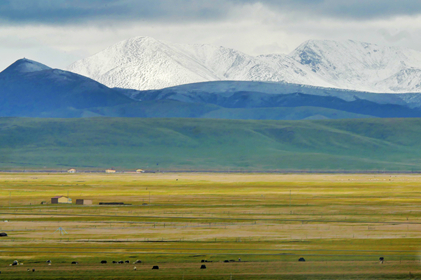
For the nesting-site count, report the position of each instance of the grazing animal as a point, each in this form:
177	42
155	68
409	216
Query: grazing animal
49	261
121	262
202	261
226	261
127	261
75	263
138	261
134	268
103	262
381	259
33	270
114	261
301	260
155	267
203	266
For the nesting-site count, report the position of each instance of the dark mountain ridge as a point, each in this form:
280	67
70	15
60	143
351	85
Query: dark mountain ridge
28	88
31	89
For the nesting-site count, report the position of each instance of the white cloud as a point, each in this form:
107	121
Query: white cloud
252	28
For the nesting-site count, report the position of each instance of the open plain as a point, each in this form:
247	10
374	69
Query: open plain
245	226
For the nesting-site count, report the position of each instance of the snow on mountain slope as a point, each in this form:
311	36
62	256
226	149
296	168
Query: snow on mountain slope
145	63
406	80
199	92
356	65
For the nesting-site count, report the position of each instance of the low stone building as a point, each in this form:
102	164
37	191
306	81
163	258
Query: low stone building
83	202
110	170
71	170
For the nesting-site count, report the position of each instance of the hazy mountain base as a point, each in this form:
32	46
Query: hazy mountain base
203	144
177	109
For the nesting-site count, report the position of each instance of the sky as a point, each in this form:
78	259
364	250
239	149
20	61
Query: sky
59	32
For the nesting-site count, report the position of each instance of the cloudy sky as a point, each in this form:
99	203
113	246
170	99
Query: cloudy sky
59	32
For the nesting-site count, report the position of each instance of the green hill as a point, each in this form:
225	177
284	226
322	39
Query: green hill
210	144
281	113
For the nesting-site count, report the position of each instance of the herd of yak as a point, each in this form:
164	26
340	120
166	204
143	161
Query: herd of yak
16	263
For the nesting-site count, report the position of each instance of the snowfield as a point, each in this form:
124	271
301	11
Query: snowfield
144	63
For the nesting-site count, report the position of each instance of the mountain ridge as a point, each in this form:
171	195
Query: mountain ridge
32	89
145	63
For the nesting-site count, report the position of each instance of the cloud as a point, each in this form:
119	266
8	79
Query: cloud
58	32
62	12
394	38
273	48
344	9
82	11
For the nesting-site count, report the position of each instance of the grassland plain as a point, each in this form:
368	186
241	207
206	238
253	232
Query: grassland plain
340	224
210	144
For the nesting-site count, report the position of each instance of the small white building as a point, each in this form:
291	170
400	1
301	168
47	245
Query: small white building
61	200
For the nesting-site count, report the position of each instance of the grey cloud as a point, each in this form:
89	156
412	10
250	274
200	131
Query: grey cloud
349	9
81	11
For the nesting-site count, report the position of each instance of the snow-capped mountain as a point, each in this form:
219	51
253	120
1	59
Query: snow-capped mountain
361	66
145	63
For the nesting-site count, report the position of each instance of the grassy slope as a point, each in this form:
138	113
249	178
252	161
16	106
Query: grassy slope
282	113
363	144
176	109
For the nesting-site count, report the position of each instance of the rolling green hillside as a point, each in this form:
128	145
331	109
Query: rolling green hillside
282	113
209	144
177	109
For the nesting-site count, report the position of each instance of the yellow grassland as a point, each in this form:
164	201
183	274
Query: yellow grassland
341	224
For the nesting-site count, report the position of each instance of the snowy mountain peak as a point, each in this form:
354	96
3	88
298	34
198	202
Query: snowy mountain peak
356	65
146	63
25	65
